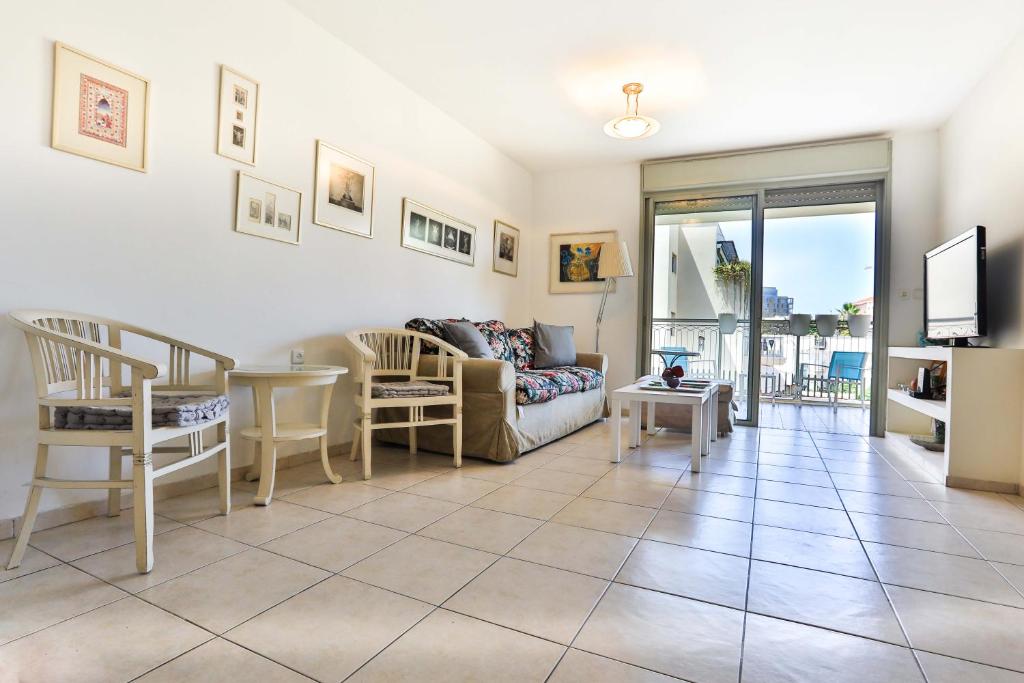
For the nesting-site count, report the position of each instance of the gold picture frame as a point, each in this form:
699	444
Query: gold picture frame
268	210
100	111
238	103
343	196
580	274
505	250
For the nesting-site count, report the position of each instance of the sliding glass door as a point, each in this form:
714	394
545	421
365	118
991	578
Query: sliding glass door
777	290
701	289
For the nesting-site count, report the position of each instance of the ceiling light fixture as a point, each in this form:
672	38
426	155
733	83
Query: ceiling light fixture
632	126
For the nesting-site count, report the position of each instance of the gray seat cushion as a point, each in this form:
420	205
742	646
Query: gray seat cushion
468	338
407	389
169	410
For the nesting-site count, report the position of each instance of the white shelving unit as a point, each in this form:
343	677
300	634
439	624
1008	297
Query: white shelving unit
983	412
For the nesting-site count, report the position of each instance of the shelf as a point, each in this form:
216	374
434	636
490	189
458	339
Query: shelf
938	353
289	431
937	410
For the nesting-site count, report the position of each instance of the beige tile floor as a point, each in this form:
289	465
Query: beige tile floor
793	556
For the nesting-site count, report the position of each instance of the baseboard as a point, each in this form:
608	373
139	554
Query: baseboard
981	485
76	512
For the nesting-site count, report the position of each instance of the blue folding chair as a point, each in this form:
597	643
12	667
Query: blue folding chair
843	366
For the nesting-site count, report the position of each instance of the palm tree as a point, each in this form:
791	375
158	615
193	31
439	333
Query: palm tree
848	309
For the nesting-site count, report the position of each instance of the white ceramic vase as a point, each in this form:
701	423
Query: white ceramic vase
860	324
799	324
826	323
727	322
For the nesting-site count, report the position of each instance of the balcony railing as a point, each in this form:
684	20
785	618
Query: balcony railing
790	365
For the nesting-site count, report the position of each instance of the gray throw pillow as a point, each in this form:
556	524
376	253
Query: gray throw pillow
553	346
465	336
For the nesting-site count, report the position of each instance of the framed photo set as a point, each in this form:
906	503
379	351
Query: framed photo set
100	110
574	260
506	249
265	209
344	191
237	116
432	232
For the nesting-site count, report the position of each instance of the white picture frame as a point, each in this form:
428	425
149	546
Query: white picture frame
343	196
431	232
237	116
266	209
577	243
100	111
505	258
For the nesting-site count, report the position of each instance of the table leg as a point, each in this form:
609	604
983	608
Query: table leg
634	424
651	429
695	437
268	449
325	409
253	473
705	433
616	441
714	416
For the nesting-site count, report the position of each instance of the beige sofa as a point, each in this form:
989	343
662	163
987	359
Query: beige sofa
494	426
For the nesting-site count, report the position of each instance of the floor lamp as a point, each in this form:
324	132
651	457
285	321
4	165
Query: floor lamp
614	262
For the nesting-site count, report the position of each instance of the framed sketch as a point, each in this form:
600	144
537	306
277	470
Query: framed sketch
344	191
506	249
432	232
237	116
265	209
574	260
100	110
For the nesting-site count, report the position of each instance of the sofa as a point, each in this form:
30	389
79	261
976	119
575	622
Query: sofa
509	406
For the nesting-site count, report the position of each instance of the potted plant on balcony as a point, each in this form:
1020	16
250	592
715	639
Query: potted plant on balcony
733	281
859	323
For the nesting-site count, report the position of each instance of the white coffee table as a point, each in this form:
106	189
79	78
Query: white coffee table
704	402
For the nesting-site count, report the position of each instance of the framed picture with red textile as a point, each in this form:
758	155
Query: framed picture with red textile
100	111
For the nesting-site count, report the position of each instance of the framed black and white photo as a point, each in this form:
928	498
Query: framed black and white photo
265	209
432	232
506	249
344	191
237	117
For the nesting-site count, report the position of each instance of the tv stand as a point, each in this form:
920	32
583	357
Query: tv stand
982	410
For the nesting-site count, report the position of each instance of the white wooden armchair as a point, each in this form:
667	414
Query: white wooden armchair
78	362
393	355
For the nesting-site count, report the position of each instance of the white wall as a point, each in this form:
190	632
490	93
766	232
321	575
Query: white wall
589	200
983	184
158	249
606	197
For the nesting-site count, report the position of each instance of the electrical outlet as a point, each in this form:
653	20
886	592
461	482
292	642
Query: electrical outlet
298	356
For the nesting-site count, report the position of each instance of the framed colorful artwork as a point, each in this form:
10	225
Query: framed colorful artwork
574	260
100	110
344	191
506	249
432	232
265	209
237	116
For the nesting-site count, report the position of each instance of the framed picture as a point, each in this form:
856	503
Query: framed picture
265	209
432	232
237	116
100	110
574	260
344	191
506	249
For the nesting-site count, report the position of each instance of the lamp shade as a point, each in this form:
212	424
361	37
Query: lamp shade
614	261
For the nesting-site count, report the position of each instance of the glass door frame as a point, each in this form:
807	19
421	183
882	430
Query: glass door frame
880	332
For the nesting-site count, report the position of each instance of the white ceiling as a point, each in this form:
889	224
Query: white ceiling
539	78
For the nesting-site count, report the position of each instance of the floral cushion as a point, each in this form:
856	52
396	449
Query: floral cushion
493	332
540	386
497	338
435	328
521	342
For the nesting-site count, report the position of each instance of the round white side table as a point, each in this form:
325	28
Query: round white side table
267	433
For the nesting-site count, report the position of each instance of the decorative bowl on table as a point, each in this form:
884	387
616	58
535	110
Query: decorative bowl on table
673	376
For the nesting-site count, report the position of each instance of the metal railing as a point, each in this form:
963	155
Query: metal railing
790	365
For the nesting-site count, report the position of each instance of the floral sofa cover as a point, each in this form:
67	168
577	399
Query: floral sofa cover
517	346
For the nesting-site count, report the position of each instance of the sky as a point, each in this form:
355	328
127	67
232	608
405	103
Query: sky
820	261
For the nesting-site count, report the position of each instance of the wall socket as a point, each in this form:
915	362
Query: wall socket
298	356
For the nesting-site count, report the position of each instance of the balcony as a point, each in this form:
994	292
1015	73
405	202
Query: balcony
792	368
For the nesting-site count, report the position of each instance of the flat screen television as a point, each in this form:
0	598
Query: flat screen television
954	289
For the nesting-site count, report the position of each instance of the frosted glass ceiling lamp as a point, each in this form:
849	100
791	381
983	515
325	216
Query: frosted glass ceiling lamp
632	126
